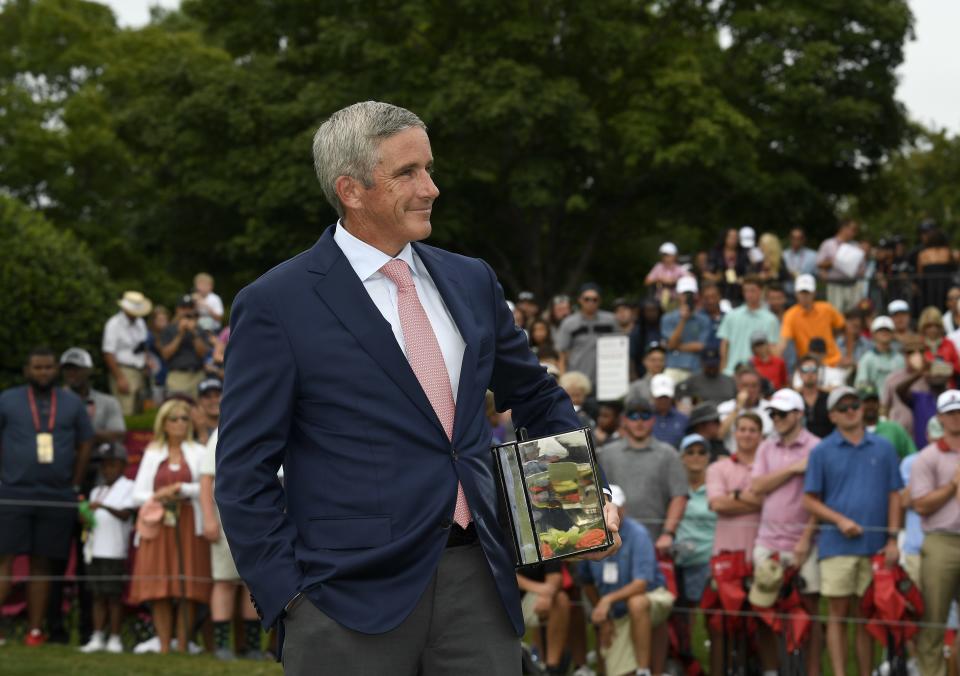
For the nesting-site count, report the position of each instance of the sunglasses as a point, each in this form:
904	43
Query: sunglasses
696	451
178	418
589	299
808	369
639	415
776	415
843	408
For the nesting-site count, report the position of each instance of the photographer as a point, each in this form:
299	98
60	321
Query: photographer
183	346
687	331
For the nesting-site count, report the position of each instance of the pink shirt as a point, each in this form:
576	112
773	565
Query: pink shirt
783	516
934	468
666	274
733	533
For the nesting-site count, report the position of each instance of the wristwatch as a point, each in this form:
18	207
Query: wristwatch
670	533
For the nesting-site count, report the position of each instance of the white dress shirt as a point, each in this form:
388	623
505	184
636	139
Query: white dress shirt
121	336
366	261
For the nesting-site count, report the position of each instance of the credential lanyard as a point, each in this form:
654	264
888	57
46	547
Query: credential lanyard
36	414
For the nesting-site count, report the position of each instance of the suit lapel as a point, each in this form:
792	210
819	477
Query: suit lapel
342	291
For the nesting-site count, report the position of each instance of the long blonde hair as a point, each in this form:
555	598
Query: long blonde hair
772	251
168	408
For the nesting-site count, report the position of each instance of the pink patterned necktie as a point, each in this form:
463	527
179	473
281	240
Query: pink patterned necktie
426	360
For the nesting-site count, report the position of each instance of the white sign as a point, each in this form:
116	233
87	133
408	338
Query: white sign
613	367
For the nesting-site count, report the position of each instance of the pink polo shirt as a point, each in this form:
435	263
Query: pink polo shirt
934	468
733	533
783	516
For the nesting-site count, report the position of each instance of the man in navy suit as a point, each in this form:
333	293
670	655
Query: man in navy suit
361	366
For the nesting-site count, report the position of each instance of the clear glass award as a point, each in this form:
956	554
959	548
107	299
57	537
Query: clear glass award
552	493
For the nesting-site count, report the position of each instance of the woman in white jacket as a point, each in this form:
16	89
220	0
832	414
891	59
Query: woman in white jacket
170	474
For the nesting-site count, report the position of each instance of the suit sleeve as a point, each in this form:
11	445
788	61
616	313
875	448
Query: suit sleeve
255	419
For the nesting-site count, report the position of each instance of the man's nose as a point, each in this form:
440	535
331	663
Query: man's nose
427	187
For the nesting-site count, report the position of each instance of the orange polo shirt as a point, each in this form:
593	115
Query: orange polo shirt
820	321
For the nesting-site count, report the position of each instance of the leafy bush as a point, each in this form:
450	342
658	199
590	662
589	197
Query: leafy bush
52	292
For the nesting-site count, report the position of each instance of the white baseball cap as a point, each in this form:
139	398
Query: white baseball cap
786	400
661	385
948	401
806	282
748	237
881	322
687	284
898	305
668	249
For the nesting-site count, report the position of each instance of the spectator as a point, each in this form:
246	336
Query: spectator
737	508
686	331
777	478
934	482
663	277
107	546
771	268
652	469
169	474
897	410
226	580
710	309
630	603
739	324
841	262
891	431
669	424
205	413
923	403
560	309
852	486
578	386
705	421
852	344
727	264
183	347
608	422
156	366
930	327
124	349
935	270
776	299
951	317
576	339
654	363
798	258
646	332
748	400
45	435
809	319
814	398
209	305
899	311
764	362
528	305
104	411
830	376
708	384
546	603
540	336
625	315
881	359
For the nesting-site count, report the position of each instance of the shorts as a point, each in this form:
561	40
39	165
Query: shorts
222	566
37	531
692	581
845	575
113	569
530	618
809	571
911	564
619	658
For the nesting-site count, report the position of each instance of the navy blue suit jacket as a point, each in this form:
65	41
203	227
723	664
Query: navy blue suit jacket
315	380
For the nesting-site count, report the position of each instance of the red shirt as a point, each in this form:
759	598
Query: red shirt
773	369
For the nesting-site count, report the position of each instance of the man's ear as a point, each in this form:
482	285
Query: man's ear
349	190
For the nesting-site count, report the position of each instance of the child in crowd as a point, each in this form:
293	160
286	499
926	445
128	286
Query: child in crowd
209	305
107	546
765	362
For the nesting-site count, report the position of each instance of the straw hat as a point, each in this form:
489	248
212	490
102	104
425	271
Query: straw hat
135	303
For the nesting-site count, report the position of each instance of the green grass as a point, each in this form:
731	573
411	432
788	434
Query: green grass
19	660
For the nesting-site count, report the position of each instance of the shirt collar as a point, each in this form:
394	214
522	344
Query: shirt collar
367	260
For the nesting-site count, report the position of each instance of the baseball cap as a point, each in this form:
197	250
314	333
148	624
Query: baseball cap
619	497
767	580
701	413
786	400
209	384
838	394
589	286
687	284
690	440
867	391
622	302
661	385
710	356
880	323
948	401
654	345
748	237
758	337
638	404
668	249
897	306
77	356
111	450
805	282
526	296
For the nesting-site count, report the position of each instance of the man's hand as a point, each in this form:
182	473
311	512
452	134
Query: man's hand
611	515
605	634
801	551
211	530
849	528
684	311
543	604
891	553
601	612
742	397
123	387
664	543
799	467
94	506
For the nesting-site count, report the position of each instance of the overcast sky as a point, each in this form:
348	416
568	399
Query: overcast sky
929	78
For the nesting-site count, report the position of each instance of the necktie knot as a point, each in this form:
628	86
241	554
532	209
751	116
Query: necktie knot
398	272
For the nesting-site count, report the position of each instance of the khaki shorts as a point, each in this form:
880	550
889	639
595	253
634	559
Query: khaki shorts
221	562
530	618
911	564
809	571
845	576
619	658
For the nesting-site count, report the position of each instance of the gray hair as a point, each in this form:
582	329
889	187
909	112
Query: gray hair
348	143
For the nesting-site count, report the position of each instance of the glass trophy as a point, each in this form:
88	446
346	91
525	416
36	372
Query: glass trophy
553	497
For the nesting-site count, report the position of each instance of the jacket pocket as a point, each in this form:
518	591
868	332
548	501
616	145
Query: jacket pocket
354	532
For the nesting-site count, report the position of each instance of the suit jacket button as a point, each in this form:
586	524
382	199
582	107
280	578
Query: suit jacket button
446	523
454	453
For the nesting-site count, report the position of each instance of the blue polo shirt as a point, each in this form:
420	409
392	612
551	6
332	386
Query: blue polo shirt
855	481
670	428
635	560
696	330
